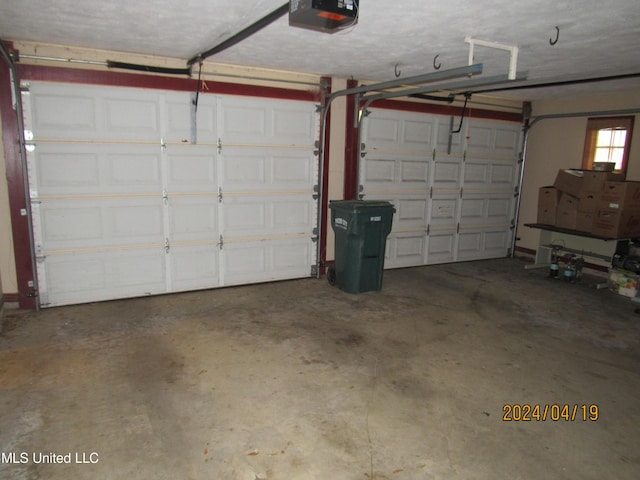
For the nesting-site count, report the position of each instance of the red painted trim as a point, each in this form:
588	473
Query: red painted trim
324	207
350	188
447	110
134	80
17	194
10	298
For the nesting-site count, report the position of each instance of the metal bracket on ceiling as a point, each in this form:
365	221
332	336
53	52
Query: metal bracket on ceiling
513	62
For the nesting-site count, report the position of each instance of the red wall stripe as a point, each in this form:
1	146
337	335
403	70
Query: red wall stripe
133	80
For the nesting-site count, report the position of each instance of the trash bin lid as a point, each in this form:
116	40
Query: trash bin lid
359	205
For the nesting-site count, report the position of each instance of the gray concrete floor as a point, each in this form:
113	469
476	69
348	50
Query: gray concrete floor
298	380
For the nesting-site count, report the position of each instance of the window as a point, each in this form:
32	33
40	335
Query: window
608	139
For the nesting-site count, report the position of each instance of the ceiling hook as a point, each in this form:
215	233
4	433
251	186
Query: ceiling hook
553	42
397	72
437	67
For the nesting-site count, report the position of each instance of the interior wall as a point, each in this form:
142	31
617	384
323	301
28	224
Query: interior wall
8	281
558	144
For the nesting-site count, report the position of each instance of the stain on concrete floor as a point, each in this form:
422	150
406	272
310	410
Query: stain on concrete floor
298	380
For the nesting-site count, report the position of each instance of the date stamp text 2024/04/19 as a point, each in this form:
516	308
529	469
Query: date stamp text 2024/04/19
516	412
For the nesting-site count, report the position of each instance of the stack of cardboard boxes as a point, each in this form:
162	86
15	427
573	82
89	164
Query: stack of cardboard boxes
599	203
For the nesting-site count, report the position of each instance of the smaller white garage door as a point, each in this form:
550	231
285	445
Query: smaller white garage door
454	197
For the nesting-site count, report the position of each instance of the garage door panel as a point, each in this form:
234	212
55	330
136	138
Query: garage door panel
261	121
267	260
193	267
81	169
193	218
393	130
493	139
90	223
441	246
405	249
58	113
489	209
178	118
274	215
267	170
132	117
444	210
454	143
87	277
470	245
191	168
447	173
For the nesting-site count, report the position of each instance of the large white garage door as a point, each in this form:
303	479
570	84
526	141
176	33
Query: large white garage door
125	205
454	197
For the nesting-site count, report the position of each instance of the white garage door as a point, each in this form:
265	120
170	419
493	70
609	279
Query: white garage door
124	205
454	198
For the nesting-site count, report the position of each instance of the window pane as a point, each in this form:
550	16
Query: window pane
604	137
616	156
619	138
602	155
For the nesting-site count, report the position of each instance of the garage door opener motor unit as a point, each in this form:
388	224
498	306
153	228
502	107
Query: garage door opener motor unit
323	15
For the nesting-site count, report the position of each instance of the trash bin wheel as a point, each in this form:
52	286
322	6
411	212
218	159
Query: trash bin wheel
331	276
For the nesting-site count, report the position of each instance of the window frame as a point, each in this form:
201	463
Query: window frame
595	124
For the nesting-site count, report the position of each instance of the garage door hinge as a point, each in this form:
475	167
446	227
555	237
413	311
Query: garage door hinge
40	258
458	228
219	145
163	144
314	270
165	196
428	229
220	244
219	194
430	193
167	245
315	192
461	191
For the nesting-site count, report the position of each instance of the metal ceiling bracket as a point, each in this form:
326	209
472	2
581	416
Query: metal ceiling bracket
513	62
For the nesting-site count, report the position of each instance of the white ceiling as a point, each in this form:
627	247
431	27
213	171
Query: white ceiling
596	37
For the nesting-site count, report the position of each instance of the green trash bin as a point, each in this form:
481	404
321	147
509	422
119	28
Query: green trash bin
361	228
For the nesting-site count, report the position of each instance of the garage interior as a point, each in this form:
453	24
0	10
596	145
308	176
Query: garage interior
166	233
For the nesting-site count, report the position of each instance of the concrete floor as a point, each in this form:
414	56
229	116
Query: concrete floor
298	380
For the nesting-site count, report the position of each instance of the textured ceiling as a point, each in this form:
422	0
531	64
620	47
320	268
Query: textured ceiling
596	37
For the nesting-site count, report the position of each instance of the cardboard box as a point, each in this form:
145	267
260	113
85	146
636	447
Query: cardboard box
548	197
620	196
569	181
616	223
568	202
584	221
588	202
593	181
567	218
547	216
